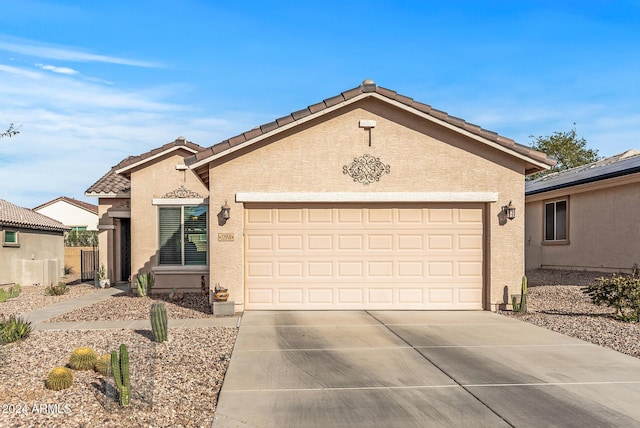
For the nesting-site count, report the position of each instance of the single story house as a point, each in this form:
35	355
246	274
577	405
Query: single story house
75	214
32	250
585	218
366	200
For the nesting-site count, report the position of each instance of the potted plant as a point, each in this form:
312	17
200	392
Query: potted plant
101	274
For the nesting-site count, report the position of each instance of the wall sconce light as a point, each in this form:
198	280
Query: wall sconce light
226	211
509	211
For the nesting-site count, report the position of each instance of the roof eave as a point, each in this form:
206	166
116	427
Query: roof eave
153	157
533	164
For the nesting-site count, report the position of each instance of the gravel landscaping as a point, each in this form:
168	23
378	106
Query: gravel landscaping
178	381
555	302
175	384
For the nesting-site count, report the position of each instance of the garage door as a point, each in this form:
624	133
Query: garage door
364	257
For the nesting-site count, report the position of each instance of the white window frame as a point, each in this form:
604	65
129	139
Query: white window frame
10	244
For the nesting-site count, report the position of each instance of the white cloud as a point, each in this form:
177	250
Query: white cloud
63	53
20	71
72	131
60	70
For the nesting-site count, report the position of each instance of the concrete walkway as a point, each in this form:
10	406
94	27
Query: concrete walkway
38	316
420	369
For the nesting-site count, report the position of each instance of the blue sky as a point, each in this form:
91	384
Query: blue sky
90	83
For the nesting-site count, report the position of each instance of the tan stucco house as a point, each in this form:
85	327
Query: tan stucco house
586	218
366	200
31	246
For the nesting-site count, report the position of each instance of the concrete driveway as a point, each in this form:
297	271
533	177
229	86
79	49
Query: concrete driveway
420	369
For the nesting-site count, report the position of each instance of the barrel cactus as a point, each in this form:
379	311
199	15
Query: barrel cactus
59	378
103	365
159	322
83	358
120	370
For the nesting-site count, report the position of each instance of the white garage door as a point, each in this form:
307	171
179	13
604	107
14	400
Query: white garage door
364	257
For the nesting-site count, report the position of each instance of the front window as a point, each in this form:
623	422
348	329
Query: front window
555	221
183	235
10	238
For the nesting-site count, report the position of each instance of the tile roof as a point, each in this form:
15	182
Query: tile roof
179	142
110	184
615	166
113	183
13	215
80	204
370	87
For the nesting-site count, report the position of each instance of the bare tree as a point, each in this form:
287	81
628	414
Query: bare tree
10	132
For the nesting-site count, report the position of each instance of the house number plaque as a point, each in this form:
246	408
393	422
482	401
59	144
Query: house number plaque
228	237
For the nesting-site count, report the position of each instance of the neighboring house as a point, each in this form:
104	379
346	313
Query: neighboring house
32	250
586	218
367	200
75	214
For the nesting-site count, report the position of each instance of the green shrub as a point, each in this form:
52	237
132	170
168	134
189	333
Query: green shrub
620	292
59	378
68	270
57	290
13	329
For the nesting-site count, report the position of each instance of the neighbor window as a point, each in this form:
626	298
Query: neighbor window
10	238
555	220
183	235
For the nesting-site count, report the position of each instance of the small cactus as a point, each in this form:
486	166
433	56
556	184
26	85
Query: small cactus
59	378
159	322
4	295
103	365
120	370
83	359
14	291
522	306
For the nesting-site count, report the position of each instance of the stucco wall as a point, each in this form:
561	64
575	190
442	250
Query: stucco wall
70	215
604	230
38	260
108	234
423	158
155	179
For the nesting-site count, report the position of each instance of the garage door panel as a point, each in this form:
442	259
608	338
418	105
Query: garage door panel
410	242
380	242
349	269
322	296
260	243
350	243
290	295
348	215
289	216
256	269
364	258
320	242
380	269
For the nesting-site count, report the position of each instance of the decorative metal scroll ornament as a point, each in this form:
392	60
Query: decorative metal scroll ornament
182	192
366	169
